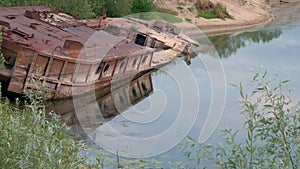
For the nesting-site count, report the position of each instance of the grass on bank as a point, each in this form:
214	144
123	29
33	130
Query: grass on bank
210	11
86	9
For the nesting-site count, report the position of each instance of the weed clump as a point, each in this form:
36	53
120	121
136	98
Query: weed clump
209	10
272	130
33	138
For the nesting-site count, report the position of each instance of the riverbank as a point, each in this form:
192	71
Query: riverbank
250	15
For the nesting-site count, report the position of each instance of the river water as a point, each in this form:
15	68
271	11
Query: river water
151	115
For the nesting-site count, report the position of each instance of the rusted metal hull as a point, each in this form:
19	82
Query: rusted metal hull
71	57
99	108
41	51
66	77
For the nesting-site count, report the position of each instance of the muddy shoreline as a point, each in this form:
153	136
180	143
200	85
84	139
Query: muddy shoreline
278	13
282	13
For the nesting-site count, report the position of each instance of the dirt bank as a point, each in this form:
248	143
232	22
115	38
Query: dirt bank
252	14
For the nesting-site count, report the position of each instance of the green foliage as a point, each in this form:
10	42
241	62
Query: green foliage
213	11
85	9
118	8
139	6
31	138
188	20
196	154
221	11
97	6
81	9
272	127
207	14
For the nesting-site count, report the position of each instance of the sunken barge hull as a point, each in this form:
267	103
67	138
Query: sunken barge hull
71	57
42	47
92	111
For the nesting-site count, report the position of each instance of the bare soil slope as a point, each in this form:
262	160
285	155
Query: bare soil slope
253	13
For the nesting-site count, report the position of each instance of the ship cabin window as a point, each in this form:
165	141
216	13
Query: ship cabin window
134	93
10	17
140	39
134	62
144	59
122	65
152	45
98	69
166	47
106	68
144	87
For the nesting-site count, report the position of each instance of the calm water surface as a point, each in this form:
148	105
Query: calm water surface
273	49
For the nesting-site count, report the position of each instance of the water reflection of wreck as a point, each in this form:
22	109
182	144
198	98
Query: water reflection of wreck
94	110
71	57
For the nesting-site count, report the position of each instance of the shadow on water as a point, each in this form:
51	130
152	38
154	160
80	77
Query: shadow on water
102	106
227	45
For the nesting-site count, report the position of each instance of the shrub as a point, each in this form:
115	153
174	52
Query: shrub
207	14
118	8
221	11
139	6
272	131
188	20
2	59
30	138
208	10
81	9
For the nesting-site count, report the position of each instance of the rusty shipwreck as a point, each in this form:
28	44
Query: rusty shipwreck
91	112
72	57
